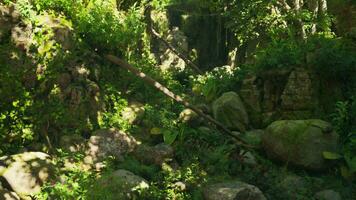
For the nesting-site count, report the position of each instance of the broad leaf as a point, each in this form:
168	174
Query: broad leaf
169	137
331	155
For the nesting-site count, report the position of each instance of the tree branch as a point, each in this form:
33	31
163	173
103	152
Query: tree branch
175	97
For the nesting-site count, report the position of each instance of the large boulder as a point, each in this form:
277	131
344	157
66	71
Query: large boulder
300	142
229	110
25	173
119	185
106	143
233	190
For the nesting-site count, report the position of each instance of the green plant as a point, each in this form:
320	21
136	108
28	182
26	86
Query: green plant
172	184
213	83
344	120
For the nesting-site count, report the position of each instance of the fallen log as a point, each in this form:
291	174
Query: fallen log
177	98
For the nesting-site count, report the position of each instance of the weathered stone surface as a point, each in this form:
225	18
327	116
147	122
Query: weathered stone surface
300	142
251	95
154	155
169	60
27	172
9	16
229	110
133	113
108	142
298	92
7	195
119	185
327	195
233	190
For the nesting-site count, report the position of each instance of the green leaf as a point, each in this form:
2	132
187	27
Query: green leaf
351	163
169	137
331	155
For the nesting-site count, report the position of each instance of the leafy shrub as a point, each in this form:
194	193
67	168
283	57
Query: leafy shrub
213	83
281	54
342	66
344	120
168	184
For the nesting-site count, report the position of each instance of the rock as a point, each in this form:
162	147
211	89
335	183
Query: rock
298	92
249	159
233	190
154	155
27	172
292	184
230	111
120	185
190	117
169	60
253	137
21	36
7	195
72	143
60	27
9	16
300	142
133	113
327	195
108	142
251	95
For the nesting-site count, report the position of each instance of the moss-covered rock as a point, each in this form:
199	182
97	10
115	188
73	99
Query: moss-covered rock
230	111
300	142
119	185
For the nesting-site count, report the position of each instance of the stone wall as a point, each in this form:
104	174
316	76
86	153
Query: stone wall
277	94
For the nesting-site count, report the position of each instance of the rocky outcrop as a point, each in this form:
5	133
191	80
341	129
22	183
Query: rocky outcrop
25	173
230	111
9	16
280	94
298	99
108	143
168	59
300	142
232	190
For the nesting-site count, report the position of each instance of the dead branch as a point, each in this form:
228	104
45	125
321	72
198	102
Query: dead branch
175	97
